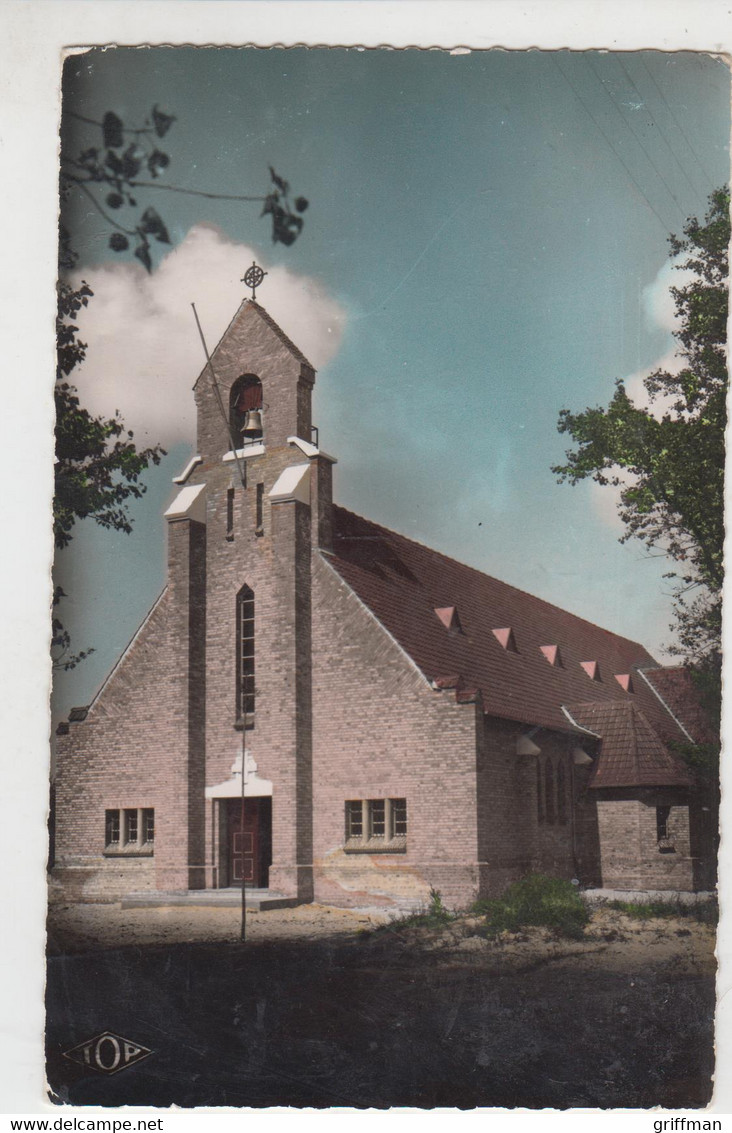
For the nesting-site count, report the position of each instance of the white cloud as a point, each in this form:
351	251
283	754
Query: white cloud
144	350
658	302
637	391
605	499
660	311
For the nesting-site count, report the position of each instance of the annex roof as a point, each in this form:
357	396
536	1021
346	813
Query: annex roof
403	582
632	753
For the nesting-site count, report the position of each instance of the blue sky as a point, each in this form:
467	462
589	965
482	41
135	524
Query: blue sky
486	244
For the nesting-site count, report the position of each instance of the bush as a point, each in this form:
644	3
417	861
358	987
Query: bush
538	900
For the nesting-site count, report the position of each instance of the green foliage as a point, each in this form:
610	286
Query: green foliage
437	913
705	912
125	159
98	466
97	470
668	459
435	916
61	656
538	900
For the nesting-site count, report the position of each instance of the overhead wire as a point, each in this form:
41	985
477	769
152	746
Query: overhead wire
657	126
678	124
665	226
626	122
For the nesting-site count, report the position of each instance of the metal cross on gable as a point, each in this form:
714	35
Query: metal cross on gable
253	278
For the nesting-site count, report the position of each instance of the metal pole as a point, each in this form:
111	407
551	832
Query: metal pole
243	819
241	469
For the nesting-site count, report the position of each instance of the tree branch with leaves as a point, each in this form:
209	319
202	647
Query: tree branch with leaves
128	159
667	460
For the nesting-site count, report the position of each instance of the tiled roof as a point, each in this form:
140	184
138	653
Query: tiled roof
632	755
403	583
677	690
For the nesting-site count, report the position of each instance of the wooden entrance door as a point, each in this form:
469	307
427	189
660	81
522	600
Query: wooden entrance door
249	848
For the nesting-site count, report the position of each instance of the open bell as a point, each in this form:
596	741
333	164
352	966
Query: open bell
252	424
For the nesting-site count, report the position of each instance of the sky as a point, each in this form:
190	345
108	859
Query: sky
485	244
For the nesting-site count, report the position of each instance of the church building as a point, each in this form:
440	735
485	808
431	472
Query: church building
398	721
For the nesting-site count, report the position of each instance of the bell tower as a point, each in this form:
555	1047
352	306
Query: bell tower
258	498
264	385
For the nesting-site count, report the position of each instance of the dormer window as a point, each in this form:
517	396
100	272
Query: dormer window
448	615
245	410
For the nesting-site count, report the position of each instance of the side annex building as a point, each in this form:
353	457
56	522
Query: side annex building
402	721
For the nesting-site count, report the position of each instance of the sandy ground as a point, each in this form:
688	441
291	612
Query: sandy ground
620	941
72	927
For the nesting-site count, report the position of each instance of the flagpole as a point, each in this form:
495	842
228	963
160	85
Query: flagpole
241	468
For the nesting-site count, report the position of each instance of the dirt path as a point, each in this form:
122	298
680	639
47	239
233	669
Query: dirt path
618	941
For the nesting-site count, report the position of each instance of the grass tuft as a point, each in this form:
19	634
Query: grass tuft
434	916
538	900
705	913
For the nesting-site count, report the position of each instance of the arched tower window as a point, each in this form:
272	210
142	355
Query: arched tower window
245	409
549	790
245	691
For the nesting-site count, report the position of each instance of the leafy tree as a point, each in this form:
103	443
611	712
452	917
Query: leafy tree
668	459
98	466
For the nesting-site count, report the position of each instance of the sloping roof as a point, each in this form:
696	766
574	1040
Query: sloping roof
676	688
247	309
632	754
403	583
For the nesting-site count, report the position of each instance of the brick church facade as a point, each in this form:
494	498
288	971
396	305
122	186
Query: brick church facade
401	721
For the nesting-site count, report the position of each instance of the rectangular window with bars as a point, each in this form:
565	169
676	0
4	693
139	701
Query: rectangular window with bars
111	828
354	819
399	818
376	825
129	831
131	826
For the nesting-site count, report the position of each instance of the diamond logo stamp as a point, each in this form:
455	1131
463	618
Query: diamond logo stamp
107	1053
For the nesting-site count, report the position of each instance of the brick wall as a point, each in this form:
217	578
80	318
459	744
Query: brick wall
140	745
587	833
630	853
379	732
513	841
275	566
118	757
